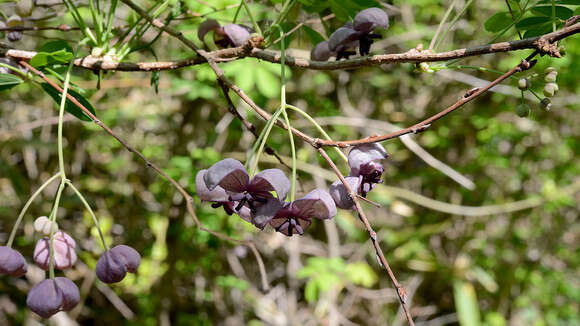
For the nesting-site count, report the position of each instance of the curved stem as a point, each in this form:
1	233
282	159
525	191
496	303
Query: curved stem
53	215
94	217
319	127
25	208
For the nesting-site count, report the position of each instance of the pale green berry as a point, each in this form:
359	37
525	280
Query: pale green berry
550	89
549	70
523	84
551	77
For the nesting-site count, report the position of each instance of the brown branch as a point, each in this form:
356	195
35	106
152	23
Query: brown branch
188	198
423	125
401	293
543	43
62	28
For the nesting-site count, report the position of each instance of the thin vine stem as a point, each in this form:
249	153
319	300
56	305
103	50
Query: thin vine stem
53	215
26	206
91	212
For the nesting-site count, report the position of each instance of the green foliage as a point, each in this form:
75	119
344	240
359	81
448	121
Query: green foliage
8	81
69	106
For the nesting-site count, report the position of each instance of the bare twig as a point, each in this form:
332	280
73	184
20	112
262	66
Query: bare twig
401	293
543	43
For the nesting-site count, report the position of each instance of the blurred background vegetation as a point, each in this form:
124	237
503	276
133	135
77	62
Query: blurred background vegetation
505	252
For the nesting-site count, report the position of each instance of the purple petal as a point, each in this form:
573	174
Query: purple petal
367	20
64	246
70	293
340	194
12	262
206	27
237	34
321	52
129	256
110	269
245	213
265	213
270	180
362	154
230	174
316	204
44	298
342	37
218	194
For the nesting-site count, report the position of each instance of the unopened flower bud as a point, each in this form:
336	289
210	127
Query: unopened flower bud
43	225
551	77
550	89
546	103
12	262
523	110
53	295
115	263
64	246
550	70
14	21
24	7
523	84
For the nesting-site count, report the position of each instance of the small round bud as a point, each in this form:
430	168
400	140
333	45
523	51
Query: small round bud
43	225
523	84
53	295
523	110
12	262
114	264
321	52
24	7
14	21
550	70
550	89
551	77
546	104
64	246
562	50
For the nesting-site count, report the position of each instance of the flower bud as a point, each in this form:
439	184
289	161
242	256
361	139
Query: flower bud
12	262
523	84
65	255
14	21
546	103
551	77
115	263
24	7
53	295
43	225
550	70
550	89
523	110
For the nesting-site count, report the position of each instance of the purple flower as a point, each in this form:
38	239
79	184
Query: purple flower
231	175
12	262
64	251
115	263
321	52
340	194
296	217
53	295
219	197
360	35
362	164
229	35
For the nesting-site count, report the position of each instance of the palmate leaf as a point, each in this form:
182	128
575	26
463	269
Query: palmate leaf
70	107
498	22
560	11
55	52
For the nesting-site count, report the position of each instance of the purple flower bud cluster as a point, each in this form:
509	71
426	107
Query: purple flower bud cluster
358	34
227	184
60	294
224	36
365	173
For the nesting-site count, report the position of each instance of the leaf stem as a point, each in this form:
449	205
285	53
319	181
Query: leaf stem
91	212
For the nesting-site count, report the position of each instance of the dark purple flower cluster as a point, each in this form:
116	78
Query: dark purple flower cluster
358	34
224	36
227	184
365	173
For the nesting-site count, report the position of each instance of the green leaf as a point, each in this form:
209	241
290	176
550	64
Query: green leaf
267	83
538	30
311	291
498	22
7	81
466	303
560	11
70	107
55	46
361	273
312	35
530	22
